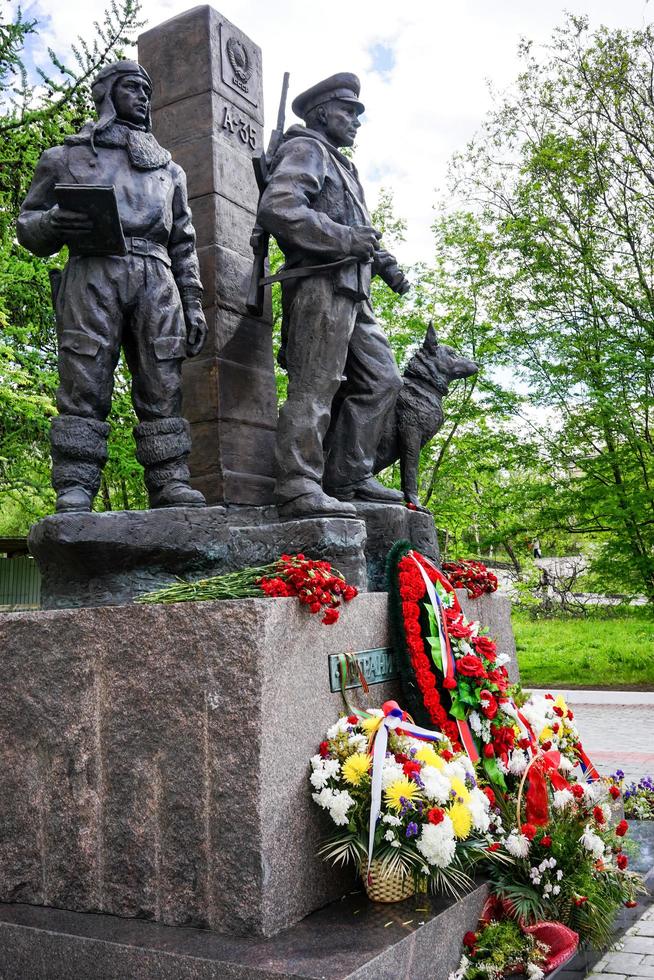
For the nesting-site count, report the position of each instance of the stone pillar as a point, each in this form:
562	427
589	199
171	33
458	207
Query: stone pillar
208	111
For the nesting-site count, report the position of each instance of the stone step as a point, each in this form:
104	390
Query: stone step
352	939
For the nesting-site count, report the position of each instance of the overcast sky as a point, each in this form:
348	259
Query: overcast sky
424	67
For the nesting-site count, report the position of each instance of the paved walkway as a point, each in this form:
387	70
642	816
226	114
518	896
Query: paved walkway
617	730
633	956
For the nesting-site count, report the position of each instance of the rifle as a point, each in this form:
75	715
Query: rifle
259	239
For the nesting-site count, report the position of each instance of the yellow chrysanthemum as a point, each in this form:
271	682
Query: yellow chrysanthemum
460	789
461	819
546	735
560	703
370	725
355	768
428	755
400	788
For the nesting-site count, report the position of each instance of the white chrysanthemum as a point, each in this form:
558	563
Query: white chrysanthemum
324	798
562	798
592	842
565	765
391	770
340	804
377	712
323	769
475	722
436	785
594	792
517	844
461	972
518	762
391	820
478	805
338	728
358	742
502	659
389	835
504	769
534	972
456	770
437	843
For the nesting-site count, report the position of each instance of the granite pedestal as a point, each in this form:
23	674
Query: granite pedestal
154	759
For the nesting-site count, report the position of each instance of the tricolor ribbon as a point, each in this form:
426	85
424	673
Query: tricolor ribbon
447	657
349	666
393	718
587	767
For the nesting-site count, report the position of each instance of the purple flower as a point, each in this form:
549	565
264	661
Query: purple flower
412	830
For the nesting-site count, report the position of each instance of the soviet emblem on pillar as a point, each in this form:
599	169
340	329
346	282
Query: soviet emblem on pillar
239	59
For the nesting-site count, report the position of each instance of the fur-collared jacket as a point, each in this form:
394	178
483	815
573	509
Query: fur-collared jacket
150	191
312	201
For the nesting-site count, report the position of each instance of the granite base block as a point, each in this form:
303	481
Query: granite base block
154	759
109	558
352	939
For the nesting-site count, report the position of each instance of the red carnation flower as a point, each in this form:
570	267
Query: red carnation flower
352	720
622	861
598	813
410	768
485	647
528	830
435	815
350	592
630	904
470	939
495	846
489	704
447	755
546	841
578	791
615	792
546	746
449	683
549	697
558	711
331	615
470	666
580	900
622	828
323	749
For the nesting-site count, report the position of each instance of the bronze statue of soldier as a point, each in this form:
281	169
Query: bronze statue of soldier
147	300
343	378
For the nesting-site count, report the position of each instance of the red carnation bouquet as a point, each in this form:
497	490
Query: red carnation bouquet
470	575
316	584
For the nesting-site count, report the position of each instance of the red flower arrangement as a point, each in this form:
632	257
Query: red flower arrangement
408	589
316	584
470	575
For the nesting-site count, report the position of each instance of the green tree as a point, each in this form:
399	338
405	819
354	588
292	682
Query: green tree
562	180
34	116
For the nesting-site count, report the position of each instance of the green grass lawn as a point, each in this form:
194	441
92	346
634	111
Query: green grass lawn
601	651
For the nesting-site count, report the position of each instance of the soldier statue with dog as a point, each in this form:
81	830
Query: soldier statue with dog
339	424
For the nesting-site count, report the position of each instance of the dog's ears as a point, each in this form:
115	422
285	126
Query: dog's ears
431	340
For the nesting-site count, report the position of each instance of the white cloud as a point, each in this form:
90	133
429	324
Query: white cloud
428	104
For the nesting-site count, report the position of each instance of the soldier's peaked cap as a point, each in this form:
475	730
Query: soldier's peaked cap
343	87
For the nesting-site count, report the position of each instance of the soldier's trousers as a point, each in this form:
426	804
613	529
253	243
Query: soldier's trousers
109	302
330	336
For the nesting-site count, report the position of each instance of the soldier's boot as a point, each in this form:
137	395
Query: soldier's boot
79	451
162	447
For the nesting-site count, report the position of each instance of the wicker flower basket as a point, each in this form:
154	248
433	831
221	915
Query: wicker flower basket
384	886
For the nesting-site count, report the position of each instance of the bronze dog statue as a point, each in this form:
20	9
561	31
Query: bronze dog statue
418	413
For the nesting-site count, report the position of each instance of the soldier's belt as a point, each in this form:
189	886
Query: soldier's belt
137	246
301	271
142	246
